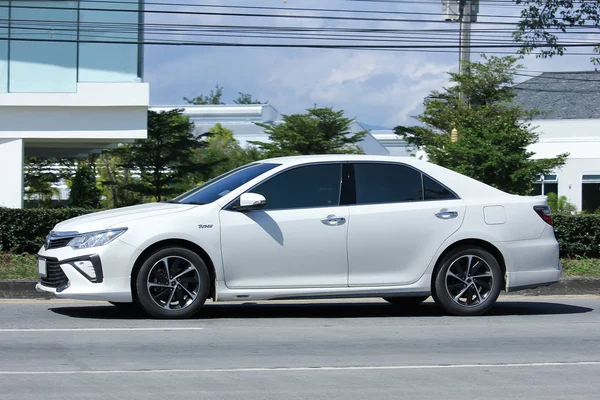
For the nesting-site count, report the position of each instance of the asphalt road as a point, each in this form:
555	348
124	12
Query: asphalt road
527	348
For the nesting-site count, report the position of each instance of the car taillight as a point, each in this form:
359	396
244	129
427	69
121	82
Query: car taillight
545	213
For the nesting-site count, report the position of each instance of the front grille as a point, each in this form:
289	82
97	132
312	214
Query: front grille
58	242
55	277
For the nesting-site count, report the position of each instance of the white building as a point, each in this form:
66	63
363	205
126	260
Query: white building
570	123
242	119
64	91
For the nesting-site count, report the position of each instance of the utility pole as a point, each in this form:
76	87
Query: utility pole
464	41
464	12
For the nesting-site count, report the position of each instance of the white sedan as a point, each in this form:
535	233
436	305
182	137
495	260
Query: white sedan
310	227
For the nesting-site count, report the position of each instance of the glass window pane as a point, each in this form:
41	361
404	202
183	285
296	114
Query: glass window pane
551	178
109	62
590	197
3	50
591	178
386	183
311	186
43	66
435	191
537	189
550	188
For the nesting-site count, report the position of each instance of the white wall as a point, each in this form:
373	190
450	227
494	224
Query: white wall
87	95
569	177
11	165
98	115
581	140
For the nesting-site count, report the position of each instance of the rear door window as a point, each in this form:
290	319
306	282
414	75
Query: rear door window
386	183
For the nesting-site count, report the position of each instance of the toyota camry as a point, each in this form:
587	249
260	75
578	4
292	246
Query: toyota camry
310	227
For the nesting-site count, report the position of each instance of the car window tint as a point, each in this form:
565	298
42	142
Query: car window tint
386	183
435	191
310	186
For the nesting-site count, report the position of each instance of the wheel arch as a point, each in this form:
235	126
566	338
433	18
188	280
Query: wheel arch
475	243
179	243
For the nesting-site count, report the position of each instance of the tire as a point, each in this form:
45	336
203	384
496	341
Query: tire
468	282
406	301
165	290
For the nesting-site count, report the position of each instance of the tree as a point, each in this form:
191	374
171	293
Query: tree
224	153
493	133
542	20
319	131
214	97
116	181
84	192
41	173
560	205
245	98
165	160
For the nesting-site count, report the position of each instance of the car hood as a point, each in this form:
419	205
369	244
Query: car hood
119	217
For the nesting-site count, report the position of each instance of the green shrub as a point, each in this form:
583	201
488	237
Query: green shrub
578	235
24	230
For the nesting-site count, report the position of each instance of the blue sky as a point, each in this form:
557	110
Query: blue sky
376	87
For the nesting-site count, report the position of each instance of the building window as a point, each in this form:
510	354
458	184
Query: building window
545	184
590	193
109	62
48	46
37	64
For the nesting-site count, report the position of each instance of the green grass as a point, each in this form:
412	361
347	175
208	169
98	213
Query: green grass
18	267
585	267
23	267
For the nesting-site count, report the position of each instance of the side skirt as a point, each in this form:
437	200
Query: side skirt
420	288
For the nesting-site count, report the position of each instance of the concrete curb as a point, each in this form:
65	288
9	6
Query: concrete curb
21	290
566	286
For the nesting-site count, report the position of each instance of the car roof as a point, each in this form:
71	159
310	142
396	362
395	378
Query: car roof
462	185
294	160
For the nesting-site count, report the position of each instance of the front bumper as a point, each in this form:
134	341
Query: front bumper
102	275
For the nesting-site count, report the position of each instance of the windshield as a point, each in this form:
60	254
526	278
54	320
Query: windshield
221	185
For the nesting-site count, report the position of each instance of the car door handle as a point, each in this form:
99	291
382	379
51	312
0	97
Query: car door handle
443	214
332	220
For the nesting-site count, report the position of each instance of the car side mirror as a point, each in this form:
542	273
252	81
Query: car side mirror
251	202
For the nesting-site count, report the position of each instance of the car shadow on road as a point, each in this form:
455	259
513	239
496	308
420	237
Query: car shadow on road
324	310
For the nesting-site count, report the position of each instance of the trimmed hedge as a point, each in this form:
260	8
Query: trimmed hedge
24	230
578	235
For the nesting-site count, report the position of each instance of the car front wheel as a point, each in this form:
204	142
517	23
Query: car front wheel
172	283
468	282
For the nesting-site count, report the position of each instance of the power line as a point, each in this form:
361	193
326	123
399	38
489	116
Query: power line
337	10
101	30
285	45
252	15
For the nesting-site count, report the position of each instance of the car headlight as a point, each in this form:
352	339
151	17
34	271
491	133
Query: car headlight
95	239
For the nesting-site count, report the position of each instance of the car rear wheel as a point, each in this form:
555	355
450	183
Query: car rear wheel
406	301
172	283
468	282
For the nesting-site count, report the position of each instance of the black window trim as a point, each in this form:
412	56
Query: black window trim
457	197
229	206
